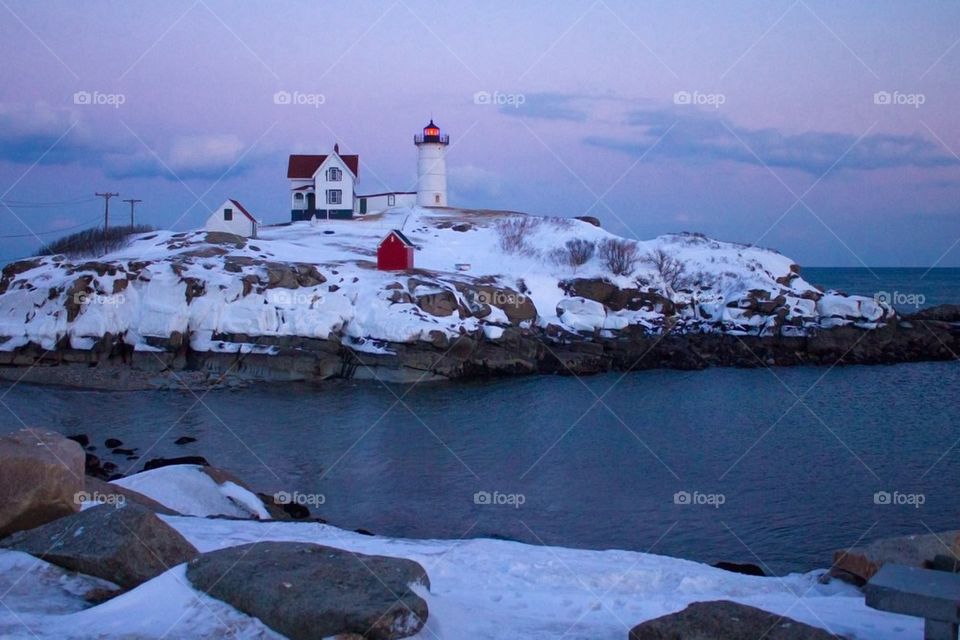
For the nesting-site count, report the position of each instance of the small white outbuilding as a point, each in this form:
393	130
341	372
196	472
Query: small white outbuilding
231	217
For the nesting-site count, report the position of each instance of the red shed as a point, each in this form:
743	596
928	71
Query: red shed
395	252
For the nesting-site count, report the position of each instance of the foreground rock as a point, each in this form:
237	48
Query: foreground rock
724	620
308	591
100	492
41	472
194	490
126	545
859	564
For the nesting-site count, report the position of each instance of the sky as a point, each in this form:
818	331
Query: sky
825	130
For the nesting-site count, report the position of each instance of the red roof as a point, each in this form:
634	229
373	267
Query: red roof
243	211
399	234
303	167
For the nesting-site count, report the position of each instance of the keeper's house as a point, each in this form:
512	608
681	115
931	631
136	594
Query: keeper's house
324	186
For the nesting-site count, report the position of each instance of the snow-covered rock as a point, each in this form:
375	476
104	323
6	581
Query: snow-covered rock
580	314
479	588
490	589
318	281
188	489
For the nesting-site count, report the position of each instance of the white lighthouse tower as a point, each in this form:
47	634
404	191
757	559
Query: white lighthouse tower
431	166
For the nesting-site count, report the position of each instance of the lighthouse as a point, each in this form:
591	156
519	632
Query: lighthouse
431	166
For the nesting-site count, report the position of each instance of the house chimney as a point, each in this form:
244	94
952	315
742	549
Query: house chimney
336	148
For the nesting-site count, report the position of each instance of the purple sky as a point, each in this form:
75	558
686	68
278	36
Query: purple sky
787	147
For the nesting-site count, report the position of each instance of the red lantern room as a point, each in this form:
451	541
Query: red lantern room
431	134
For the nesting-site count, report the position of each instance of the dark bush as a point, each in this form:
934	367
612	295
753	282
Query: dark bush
90	242
619	256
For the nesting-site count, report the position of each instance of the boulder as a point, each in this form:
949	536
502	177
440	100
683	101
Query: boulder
596	289
195	490
281	276
222	237
636	299
725	620
284	510
615	298
745	568
80	438
517	306
76	296
13	269
98	491
308	276
195	288
41	473
308	591
97	469
859	564
157	463
581	314
589	220
941	313
126	545
440	303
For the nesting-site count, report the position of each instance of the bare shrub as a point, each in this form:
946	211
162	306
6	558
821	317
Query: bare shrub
580	251
513	232
561	223
559	256
90	242
671	270
619	256
574	253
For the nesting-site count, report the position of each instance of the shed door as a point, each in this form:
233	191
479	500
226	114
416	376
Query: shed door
363	205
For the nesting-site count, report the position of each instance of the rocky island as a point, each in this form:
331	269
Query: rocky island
490	293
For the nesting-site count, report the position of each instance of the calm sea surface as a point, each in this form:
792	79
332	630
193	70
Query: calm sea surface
785	462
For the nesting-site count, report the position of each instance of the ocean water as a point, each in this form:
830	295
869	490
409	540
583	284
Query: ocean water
772	466
908	289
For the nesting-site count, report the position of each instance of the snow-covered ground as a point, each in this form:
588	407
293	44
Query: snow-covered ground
167	282
480	589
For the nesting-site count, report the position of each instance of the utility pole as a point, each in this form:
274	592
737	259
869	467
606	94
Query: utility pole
132	202
106	214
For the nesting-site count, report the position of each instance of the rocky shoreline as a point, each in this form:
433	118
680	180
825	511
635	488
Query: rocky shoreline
133	542
929	335
305	302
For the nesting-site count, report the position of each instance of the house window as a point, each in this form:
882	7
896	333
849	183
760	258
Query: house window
228	214
298	200
436	198
334	174
334	196
391	200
